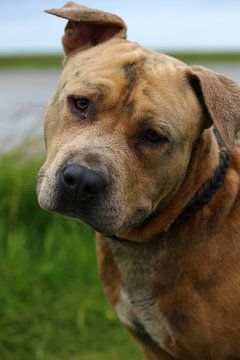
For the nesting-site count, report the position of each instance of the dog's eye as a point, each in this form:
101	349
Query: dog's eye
81	104
153	137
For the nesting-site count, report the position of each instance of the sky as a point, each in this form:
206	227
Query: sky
168	25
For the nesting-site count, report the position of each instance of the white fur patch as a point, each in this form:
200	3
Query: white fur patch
130	311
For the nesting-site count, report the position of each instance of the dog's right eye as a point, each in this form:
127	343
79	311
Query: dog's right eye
81	104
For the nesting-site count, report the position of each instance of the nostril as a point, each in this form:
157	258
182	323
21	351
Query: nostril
88	189
71	177
95	188
69	180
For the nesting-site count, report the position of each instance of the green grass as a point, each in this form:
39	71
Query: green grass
55	61
51	301
31	61
207	57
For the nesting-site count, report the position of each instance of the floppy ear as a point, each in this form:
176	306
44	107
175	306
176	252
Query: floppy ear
221	98
87	27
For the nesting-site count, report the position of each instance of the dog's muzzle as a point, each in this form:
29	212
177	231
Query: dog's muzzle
81	183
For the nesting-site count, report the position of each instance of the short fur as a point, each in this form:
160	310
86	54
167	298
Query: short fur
176	289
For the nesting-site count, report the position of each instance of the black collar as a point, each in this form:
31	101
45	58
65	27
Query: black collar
205	193
202	196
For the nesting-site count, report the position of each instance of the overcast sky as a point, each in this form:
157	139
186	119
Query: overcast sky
163	24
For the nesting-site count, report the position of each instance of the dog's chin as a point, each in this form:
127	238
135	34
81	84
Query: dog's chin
99	218
108	224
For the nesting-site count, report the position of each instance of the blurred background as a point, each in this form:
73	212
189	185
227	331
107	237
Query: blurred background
51	301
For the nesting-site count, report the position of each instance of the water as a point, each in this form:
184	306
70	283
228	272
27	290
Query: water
23	99
24	95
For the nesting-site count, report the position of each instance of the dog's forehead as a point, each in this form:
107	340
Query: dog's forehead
118	60
139	83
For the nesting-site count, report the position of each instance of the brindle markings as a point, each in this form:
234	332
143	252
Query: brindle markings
140	330
130	73
103	90
77	73
146	93
128	108
178	319
205	286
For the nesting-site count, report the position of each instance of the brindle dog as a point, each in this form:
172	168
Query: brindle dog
129	144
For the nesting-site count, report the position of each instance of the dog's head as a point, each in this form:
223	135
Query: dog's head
121	127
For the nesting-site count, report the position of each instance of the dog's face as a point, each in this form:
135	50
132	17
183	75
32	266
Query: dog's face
119	131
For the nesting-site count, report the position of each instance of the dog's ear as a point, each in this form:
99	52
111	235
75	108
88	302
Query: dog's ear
87	27
220	96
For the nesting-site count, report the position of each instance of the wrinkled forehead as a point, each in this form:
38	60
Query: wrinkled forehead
119	61
101	64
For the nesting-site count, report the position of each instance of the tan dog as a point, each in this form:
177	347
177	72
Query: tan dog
129	146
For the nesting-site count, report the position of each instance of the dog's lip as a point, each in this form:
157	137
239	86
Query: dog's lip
101	227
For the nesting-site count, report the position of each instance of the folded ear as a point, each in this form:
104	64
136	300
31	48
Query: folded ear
221	98
87	27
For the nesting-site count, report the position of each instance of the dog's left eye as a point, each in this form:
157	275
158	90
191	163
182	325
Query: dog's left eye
81	104
153	137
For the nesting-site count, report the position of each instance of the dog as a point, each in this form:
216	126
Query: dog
131	152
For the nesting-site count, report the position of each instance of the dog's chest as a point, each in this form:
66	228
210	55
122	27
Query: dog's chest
137	307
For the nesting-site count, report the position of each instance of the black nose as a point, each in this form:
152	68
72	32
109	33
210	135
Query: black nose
82	182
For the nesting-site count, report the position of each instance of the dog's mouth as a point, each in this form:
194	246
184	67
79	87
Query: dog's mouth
103	212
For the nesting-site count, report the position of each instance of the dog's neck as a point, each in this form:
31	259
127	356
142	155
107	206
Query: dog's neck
204	161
